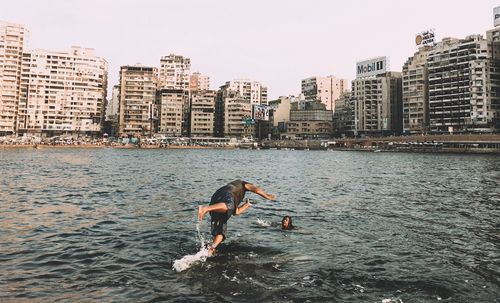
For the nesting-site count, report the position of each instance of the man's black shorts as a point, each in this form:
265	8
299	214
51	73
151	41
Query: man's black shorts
219	220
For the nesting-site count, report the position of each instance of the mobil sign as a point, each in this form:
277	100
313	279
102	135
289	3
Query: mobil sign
371	67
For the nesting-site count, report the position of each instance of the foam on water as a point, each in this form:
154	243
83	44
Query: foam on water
263	223
190	260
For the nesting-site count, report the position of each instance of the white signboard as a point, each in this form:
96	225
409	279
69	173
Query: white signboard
261	112
496	16
427	38
371	67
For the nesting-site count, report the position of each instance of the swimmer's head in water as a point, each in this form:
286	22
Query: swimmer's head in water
286	223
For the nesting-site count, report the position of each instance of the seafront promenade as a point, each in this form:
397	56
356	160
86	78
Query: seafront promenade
469	143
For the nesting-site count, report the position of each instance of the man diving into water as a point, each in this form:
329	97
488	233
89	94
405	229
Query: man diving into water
226	202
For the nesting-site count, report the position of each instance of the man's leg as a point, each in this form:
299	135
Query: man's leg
217	240
220	207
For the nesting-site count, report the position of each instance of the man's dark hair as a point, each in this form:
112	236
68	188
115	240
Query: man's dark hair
290	225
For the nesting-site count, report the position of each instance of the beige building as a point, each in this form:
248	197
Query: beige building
416	92
253	91
378	104
138	85
313	121
234	105
172	103
12	44
203	113
343	118
174	72
62	92
464	93
198	82
236	109
324	89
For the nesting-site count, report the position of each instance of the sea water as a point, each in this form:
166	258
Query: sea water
189	260
108	225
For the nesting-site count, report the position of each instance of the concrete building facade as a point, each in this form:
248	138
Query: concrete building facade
463	86
234	104
324	89
199	82
312	122
253	91
343	118
175	72
62	92
416	93
138	86
203	113
378	108
171	104
12	44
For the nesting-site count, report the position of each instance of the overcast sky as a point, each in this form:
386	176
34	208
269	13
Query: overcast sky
275	42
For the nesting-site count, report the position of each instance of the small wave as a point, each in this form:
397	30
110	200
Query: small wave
263	223
189	260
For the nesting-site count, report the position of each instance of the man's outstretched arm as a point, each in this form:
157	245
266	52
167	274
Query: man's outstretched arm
260	192
238	211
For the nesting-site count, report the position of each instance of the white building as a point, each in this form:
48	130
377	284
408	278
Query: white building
138	85
199	82
252	91
175	72
463	86
416	93
62	92
12	44
324	89
113	105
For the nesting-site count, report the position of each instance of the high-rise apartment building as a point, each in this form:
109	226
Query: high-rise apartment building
343	118
236	109
62	92
416	93
252	91
172	102
12	43
324	89
313	121
113	105
203	113
378	108
463	85
234	103
174	72
199	82
138	86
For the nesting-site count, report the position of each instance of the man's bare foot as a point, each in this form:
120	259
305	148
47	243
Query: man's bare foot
211	251
201	213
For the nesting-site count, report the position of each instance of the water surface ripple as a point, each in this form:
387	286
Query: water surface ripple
106	225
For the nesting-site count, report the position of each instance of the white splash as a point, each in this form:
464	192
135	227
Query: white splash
263	223
189	260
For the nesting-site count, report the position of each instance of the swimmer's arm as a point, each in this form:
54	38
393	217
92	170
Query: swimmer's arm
259	192
242	208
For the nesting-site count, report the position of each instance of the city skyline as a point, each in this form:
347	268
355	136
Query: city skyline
265	42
